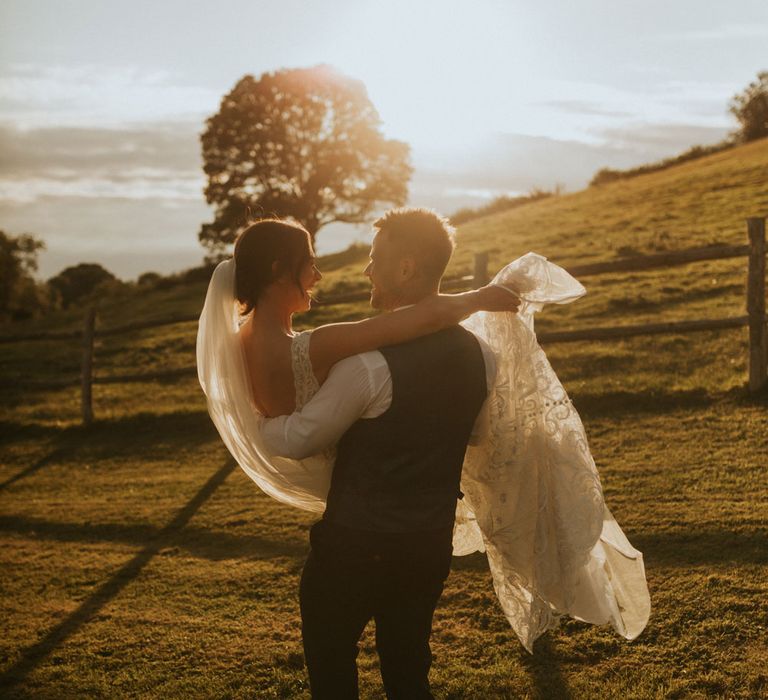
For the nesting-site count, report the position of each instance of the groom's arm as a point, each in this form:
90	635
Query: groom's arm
357	387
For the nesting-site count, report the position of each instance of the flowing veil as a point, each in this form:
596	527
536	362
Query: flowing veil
223	376
533	500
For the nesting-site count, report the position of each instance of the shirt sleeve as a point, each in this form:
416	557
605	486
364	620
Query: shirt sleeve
344	397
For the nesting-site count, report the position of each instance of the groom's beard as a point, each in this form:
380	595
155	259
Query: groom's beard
385	300
391	299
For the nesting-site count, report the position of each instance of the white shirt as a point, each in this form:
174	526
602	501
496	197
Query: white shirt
357	387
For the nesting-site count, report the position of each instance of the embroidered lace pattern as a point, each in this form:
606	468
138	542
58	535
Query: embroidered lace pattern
304	380
533	499
306	386
533	488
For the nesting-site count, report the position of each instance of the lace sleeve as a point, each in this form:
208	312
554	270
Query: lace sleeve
304	380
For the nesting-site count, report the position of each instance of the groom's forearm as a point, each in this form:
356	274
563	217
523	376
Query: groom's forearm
294	437
342	400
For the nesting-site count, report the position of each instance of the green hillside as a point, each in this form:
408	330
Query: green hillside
700	202
136	562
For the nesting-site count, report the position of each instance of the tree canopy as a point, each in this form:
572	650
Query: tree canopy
79	282
20	296
750	107
302	144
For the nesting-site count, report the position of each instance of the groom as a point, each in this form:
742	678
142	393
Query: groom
402	417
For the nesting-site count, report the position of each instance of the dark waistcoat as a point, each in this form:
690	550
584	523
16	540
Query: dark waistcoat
400	471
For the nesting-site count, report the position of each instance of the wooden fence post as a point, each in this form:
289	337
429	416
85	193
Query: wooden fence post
758	332
481	270
87	366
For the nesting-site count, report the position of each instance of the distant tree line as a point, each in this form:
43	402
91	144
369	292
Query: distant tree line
23	297
750	107
605	175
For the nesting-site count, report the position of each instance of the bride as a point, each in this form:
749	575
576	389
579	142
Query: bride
533	500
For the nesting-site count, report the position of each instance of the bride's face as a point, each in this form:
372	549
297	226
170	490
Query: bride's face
308	278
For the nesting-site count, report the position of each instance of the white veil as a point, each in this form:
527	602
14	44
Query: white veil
223	376
533	499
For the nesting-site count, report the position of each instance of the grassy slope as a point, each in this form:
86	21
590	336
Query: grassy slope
119	604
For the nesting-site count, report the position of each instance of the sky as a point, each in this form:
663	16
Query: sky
102	101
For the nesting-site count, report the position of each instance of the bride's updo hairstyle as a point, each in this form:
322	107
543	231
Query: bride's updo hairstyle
264	252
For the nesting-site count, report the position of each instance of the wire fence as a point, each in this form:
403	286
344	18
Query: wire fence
755	318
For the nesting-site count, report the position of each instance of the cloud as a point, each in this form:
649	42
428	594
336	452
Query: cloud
662	140
159	161
131	185
128	236
82	149
99	96
585	107
509	163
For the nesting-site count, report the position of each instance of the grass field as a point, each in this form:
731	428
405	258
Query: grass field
138	561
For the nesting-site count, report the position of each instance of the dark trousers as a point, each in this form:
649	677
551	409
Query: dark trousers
351	577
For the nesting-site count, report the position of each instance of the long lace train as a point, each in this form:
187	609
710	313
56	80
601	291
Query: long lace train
532	491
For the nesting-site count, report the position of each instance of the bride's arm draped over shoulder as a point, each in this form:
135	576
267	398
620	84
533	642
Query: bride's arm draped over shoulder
335	341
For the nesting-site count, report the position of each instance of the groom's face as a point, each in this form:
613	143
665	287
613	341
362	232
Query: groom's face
384	272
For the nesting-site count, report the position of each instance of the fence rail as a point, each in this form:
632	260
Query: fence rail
480	277
755	319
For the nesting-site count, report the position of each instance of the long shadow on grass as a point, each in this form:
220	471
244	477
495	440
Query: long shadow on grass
13	432
197	541
702	547
61	441
625	403
688	548
148	436
33	655
544	667
55	455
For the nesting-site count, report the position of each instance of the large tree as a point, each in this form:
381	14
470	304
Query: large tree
304	144
750	107
20	295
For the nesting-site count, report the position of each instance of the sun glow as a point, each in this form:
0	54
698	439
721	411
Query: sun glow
438	74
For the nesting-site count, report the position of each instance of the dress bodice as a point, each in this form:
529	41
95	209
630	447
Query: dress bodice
304	380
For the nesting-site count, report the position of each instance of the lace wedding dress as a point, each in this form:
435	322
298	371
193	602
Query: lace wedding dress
532	495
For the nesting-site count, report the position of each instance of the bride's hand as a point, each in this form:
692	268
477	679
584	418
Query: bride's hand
493	297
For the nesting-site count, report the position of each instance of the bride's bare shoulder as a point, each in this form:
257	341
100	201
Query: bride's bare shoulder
273	351
268	359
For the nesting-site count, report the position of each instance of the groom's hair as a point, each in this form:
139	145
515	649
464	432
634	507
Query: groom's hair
421	233
264	252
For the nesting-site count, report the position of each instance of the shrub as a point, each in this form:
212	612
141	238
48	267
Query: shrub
606	175
751	109
502	203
